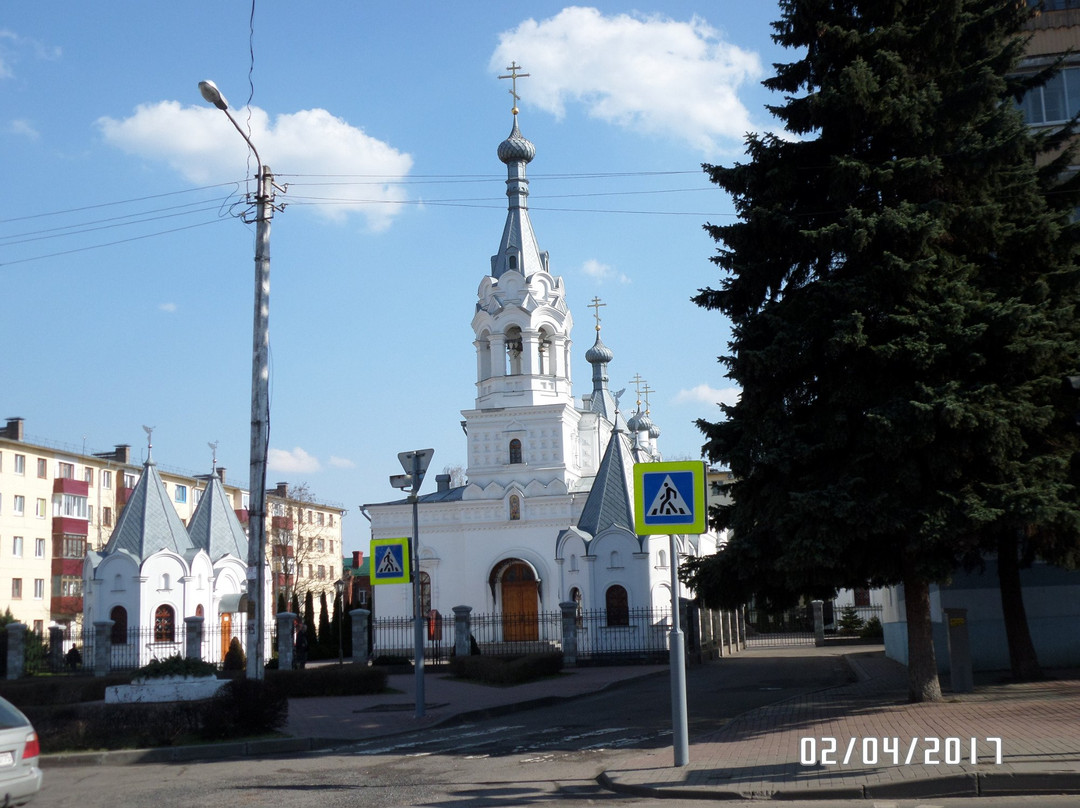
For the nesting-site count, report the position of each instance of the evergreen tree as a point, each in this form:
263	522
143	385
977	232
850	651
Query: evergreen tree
294	607
324	624
902	306
309	623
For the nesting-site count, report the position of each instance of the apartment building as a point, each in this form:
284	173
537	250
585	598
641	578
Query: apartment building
57	502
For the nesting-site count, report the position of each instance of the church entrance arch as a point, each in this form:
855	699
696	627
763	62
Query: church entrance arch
514	584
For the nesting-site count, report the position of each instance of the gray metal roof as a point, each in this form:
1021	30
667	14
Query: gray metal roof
149	522
214	526
611	499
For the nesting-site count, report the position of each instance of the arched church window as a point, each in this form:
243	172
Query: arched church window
511	262
515	506
573	563
164	624
199	610
165	580
513	350
617	605
575	598
119	632
118	583
515	451
661	559
614	560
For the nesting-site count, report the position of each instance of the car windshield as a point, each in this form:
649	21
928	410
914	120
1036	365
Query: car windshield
10	717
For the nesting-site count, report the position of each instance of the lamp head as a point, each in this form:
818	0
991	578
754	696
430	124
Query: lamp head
212	94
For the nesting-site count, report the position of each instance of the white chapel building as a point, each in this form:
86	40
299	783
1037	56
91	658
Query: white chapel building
546	514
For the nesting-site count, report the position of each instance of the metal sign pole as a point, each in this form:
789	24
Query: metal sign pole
418	617
677	663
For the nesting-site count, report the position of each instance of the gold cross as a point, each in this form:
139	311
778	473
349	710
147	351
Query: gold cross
514	76
646	390
596	305
637	381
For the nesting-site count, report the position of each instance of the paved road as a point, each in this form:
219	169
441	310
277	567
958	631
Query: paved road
551	753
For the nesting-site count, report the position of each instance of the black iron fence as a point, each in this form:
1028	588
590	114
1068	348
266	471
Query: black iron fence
796	626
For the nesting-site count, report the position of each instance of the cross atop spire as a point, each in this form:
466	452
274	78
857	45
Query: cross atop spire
639	384
514	76
596	305
646	390
213	448
149	430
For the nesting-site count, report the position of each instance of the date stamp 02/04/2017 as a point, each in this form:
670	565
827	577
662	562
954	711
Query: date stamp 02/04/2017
894	751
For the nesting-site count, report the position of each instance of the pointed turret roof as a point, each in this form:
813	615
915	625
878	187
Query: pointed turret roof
214	526
611	499
149	522
518	250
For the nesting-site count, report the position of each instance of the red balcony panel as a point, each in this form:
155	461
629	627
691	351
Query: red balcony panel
67	566
66	525
281	522
285	550
65	609
123	495
242	515
67	485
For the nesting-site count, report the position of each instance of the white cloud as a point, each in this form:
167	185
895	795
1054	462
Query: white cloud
22	127
703	394
341	462
12	46
169	307
648	72
297	461
201	145
603	272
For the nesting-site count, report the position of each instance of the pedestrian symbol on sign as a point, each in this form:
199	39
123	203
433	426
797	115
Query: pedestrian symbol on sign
389	564
668	501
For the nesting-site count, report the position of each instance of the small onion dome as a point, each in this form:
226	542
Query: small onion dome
639	422
599	353
516	147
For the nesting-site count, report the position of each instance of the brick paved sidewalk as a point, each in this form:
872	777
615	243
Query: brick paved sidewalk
867	741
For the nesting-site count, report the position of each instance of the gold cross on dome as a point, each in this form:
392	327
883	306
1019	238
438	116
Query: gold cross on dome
514	76
596	305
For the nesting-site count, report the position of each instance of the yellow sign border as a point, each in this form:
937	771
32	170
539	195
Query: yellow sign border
404	578
700	503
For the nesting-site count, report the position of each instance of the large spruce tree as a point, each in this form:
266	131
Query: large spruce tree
902	304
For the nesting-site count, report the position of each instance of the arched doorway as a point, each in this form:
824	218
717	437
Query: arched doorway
226	633
518	592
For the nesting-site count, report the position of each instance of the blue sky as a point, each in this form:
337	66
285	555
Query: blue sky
127	275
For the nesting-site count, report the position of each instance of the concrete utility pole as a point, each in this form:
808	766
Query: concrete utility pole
260	400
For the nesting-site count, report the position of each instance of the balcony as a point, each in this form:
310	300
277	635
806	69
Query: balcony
281	522
67	485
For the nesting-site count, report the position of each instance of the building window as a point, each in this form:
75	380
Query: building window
618	606
661	558
43	468
180	494
331	546
165	581
106	517
1054	102
39	627
331	520
39	589
119	628
41	508
164	624
130	480
17	546
20	464
70	586
614	560
19	505
425	593
39	548
515	451
16	588
515	508
322	572
321	518
320	545
65	471
106	479
88	475
70	505
74	546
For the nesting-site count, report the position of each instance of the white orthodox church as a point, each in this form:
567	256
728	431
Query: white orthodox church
547	512
154	572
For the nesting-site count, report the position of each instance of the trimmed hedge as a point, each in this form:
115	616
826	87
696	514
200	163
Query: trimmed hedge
44	690
506	670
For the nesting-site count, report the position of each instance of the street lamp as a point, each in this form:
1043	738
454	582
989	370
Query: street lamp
339	587
260	398
415	465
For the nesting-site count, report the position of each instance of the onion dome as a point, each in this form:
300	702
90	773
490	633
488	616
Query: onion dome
599	353
516	148
640	422
654	430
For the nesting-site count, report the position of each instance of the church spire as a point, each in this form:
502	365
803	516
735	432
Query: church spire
518	250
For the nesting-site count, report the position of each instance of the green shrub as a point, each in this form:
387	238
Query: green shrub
329	680
175	665
850	622
44	690
506	671
245	707
872	630
234	657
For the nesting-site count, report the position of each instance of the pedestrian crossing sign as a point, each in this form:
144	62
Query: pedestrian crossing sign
669	497
390	561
